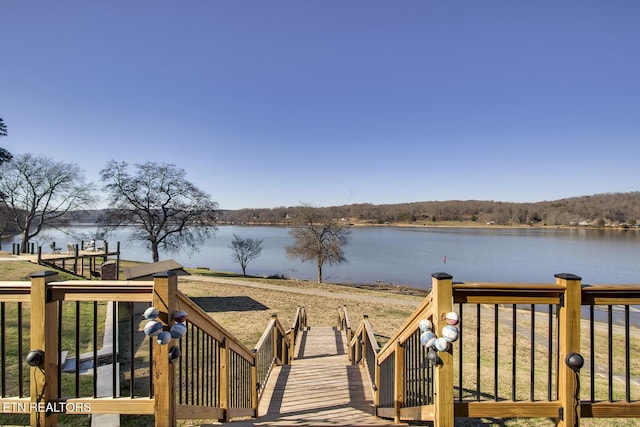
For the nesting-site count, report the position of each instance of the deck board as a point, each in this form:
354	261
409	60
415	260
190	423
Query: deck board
321	388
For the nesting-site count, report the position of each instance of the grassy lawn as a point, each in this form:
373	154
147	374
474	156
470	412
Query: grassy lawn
14	362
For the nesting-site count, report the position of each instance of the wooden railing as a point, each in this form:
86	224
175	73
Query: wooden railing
344	325
298	325
516	355
96	358
80	261
612	391
272	349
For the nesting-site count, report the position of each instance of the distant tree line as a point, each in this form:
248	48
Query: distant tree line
609	209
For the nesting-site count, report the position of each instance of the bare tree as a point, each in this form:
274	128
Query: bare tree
245	250
5	156
170	212
38	191
317	239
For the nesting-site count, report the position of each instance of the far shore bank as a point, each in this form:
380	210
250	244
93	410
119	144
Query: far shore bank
443	224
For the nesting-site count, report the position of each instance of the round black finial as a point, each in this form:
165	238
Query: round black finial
35	358
575	361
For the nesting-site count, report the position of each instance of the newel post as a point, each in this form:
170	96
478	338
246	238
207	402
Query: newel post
254	383
292	346
442	297
398	381
363	340
278	353
568	343
44	333
165	288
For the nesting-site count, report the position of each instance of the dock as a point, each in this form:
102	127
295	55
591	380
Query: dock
75	260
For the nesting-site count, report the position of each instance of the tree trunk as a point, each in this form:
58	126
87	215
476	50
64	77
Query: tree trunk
154	251
24	247
319	272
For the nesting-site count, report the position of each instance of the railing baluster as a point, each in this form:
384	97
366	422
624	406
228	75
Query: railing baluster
197	368
192	364
77	350
478	352
132	351
550	352
20	352
114	348
3	353
592	351
218	369
95	345
610	350
59	349
460	354
532	366
496	346
150	343
207	352
514	329
627	355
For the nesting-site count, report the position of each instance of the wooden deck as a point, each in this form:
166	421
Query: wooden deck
321	388
82	264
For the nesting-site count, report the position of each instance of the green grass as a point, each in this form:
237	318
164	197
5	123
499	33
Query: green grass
524	349
14	360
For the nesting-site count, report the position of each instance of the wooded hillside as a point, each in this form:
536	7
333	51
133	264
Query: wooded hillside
610	209
599	210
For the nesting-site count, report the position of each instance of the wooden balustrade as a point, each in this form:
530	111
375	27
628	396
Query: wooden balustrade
482	374
80	324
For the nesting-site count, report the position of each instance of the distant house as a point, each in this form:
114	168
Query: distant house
146	271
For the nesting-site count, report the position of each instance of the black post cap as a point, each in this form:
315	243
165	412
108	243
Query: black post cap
567	276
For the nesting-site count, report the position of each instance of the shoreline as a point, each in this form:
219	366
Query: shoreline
447	224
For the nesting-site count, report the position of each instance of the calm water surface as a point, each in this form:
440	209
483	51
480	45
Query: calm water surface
410	255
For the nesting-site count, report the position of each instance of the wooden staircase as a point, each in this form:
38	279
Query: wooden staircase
320	388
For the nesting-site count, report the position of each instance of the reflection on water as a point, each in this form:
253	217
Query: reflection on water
403	255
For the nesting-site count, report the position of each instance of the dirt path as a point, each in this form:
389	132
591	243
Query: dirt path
351	296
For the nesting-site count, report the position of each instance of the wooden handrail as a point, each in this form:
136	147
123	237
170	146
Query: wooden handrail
15	292
265	335
273	325
344	324
343	318
268	343
507	293
408	328
300	319
610	294
299	323
102	291
370	335
208	325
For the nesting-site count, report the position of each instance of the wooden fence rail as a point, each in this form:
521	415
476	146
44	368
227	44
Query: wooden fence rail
519	354
78	347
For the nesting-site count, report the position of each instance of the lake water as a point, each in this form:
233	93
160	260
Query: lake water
403	255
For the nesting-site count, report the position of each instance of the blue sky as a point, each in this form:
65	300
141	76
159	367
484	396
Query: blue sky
273	103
